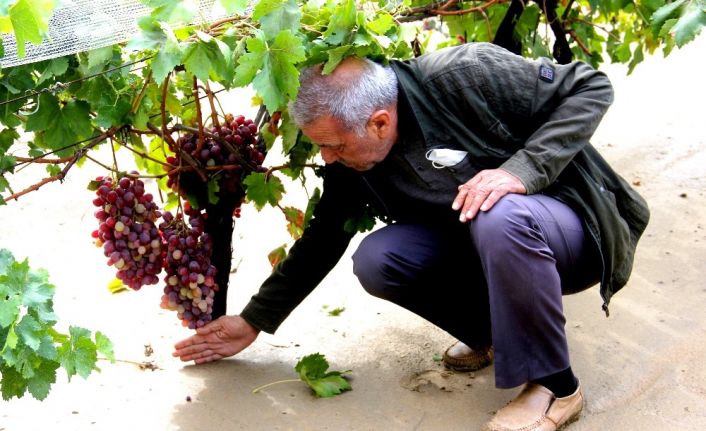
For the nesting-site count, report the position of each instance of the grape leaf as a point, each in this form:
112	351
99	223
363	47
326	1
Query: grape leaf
342	22
12	383
690	23
151	36
311	205
30	331
382	23
277	255
207	58
60	126
312	371
105	346
278	81
44	376
261	191
234	6
277	15
252	61
172	11
168	56
335	56
295	221
30	21
77	355
54	67
662	14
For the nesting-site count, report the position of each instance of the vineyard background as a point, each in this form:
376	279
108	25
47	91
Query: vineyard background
641	368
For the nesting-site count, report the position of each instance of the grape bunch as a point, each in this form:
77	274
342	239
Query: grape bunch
127	230
233	146
190	285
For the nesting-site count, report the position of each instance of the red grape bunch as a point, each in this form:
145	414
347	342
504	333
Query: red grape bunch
237	134
127	230
190	285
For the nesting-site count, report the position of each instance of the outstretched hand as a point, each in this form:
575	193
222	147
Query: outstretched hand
223	337
483	190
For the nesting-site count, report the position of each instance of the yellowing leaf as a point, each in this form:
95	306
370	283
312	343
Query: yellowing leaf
116	286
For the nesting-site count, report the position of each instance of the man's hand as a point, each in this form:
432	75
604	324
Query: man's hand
220	338
483	190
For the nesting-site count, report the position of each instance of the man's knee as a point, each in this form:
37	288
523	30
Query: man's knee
369	261
507	219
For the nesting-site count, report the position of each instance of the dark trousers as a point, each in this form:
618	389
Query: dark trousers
497	280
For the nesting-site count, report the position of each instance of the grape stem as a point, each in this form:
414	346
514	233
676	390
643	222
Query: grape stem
184	156
199	119
259	388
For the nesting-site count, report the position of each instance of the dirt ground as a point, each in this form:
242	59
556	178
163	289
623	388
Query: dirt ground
641	368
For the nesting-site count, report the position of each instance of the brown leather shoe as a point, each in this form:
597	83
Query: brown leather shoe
460	357
537	409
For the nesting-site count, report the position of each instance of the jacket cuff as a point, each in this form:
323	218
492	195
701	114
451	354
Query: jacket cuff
257	316
524	172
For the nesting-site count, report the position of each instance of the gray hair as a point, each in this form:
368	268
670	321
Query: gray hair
350	102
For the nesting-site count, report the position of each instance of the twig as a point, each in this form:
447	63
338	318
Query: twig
163	111
184	155
280	167
259	388
214	113
199	139
580	43
138	99
34	187
41	160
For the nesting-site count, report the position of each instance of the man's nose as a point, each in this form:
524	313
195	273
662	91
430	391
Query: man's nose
328	155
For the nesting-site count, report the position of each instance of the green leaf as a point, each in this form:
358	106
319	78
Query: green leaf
277	15
234	6
167	57
30	331
335	56
261	191
342	23
662	14
54	67
213	189
30	20
12	383
60	126
382	23
312	371
252	61
207	58
105	346
311	205
181	11
151	36
278	80
97	58
44	376
690	23
77	355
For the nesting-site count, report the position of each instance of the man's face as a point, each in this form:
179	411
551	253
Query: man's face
356	152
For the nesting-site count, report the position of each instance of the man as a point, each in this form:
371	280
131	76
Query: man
500	205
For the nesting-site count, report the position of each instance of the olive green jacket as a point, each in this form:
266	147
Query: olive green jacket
531	118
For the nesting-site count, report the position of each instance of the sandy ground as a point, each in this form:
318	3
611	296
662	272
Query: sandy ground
642	368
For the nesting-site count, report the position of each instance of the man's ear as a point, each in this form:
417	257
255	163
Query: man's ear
380	123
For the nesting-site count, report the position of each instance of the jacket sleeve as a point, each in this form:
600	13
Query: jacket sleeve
309	260
555	109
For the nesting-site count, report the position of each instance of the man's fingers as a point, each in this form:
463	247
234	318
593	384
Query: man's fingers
460	198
